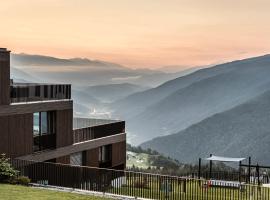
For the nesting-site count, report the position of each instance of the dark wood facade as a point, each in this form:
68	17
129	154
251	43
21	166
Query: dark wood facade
98	131
64	134
4	77
16	135
119	154
63	160
92	157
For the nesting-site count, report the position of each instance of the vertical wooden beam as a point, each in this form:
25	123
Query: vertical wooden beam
4	76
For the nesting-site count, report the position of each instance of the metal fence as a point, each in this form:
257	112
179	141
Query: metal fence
136	184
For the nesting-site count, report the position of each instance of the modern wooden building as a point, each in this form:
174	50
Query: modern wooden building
36	123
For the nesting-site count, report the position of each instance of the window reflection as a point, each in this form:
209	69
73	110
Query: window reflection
44	130
36	124
44	123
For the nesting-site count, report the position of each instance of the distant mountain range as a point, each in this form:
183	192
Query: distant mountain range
239	132
85	72
180	103
40	60
112	92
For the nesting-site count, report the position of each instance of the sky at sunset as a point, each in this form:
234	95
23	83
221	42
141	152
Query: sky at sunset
138	33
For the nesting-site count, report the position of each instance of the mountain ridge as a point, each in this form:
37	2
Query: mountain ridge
192	99
241	131
42	60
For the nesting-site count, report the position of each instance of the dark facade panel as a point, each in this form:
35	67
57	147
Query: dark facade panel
4	77
16	135
64	134
119	154
92	158
99	131
63	160
4	134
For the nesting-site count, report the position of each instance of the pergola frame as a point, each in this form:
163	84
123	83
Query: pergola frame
223	159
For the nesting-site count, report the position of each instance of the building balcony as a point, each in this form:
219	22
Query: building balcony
31	92
85	129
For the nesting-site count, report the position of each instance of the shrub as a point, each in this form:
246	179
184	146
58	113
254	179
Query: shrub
22	180
140	184
7	172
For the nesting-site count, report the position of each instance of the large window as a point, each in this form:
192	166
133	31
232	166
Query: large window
105	153
36	124
44	130
44	123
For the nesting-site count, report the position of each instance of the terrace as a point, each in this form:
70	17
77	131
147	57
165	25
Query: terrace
88	129
30	92
87	134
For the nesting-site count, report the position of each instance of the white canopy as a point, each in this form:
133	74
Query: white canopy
224	159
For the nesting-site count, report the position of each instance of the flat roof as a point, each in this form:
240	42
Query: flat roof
224	159
34	84
79	123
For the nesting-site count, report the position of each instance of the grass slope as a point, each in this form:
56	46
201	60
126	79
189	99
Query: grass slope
12	192
140	160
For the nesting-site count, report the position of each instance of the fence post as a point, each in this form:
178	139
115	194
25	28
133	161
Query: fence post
210	174
199	173
258	173
249	169
239	178
185	185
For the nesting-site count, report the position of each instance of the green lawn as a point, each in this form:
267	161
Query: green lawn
14	192
194	190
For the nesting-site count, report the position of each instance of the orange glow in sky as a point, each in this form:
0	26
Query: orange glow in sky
138	33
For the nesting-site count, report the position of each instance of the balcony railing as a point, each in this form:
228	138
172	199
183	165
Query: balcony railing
89	129
29	92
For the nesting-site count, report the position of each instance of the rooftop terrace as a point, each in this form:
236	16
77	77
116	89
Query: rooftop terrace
88	129
29	92
79	123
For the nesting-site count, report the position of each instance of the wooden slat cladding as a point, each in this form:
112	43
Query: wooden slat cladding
4	78
39	92
16	132
63	160
92	157
34	107
119	153
98	131
64	135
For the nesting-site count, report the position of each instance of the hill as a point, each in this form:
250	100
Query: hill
151	161
41	60
185	101
112	92
86	72
239	132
